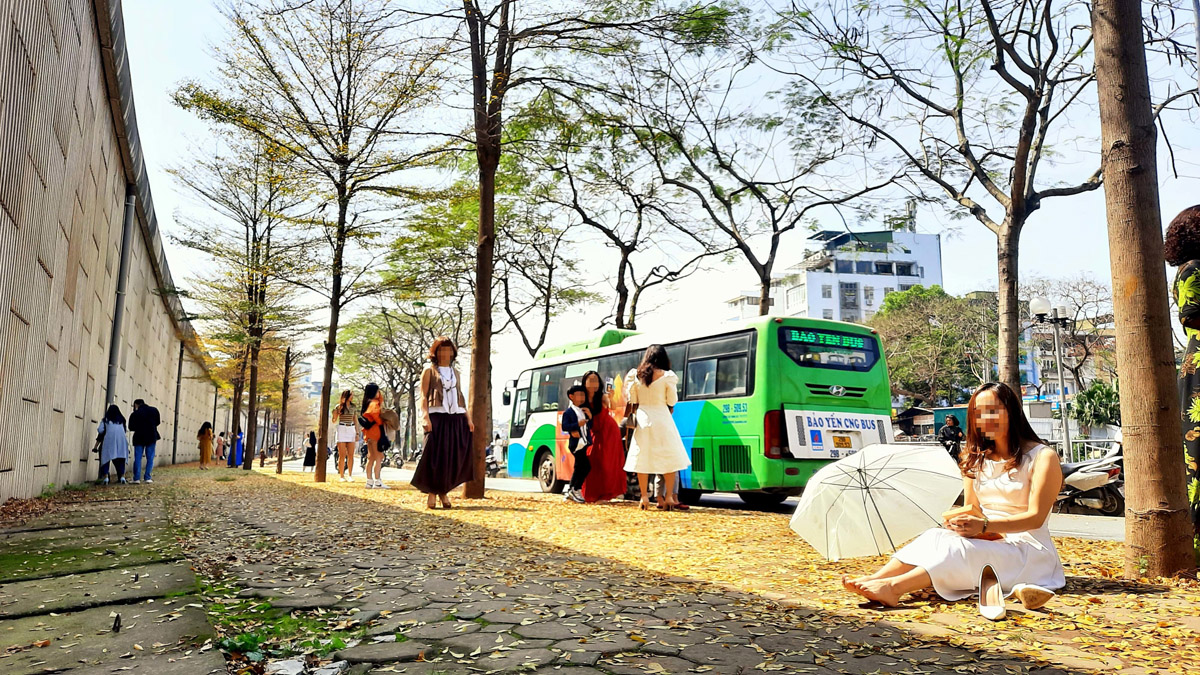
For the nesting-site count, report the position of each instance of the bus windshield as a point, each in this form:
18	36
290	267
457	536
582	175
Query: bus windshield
820	348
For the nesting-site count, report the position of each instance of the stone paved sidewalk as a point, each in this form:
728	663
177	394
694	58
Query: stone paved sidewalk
415	592
67	574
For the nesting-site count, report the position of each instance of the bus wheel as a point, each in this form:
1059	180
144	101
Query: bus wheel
689	496
545	474
761	499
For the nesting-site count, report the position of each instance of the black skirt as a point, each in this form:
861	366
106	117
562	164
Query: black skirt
310	456
446	460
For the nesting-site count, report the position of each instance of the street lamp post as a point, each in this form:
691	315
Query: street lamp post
1056	316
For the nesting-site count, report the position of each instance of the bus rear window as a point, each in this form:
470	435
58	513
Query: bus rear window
820	348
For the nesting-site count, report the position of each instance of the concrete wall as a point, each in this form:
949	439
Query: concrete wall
69	152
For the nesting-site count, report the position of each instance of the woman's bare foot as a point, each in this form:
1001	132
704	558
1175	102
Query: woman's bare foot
879	590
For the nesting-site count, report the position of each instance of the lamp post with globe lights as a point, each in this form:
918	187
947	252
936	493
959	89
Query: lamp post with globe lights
1042	312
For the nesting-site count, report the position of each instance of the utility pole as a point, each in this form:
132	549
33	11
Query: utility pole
287	377
1057	320
1158	538
178	390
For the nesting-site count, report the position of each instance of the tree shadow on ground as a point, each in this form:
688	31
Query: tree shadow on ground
619	598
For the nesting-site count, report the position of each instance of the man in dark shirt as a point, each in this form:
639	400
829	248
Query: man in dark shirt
143	422
951	437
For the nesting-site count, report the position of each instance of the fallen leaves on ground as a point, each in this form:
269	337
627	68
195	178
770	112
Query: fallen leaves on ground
1098	621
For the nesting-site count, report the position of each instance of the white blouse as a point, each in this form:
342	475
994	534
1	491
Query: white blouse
449	393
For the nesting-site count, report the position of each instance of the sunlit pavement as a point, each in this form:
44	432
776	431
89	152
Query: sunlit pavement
1061	524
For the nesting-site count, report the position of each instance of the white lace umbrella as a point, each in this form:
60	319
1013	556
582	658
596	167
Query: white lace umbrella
877	499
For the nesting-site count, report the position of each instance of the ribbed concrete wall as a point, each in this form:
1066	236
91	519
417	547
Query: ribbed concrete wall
68	154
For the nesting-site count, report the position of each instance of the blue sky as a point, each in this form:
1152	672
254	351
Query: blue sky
169	42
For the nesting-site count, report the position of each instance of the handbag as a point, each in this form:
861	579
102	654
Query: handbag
364	422
385	443
628	424
100	438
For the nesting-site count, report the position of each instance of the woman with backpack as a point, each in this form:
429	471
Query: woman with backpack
114	446
372	424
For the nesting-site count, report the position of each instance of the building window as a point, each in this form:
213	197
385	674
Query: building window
827	314
863	268
884	268
904	269
843	266
795	297
827	291
869	295
849	295
905	287
888	291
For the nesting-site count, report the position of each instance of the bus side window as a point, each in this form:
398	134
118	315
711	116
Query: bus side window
520	414
702	378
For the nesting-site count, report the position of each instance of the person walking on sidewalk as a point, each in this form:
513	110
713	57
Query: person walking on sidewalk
656	446
143	422
446	459
607	478
114	447
347	434
206	444
221	446
372	415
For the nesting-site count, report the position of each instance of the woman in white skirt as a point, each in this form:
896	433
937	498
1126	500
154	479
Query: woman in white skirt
1014	478
346	435
656	447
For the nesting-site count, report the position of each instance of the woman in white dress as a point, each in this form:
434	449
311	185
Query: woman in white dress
1014	479
656	447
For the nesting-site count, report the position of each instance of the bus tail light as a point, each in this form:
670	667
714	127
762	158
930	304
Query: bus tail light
774	435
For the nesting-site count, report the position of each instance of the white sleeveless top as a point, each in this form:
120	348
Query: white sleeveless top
1004	493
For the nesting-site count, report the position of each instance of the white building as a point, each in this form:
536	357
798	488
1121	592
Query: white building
849	274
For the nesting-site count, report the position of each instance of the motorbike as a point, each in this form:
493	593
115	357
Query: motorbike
393	457
493	464
1095	484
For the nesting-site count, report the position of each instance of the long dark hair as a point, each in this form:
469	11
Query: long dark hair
655	357
1019	431
369	393
344	404
595	403
203	427
312	438
113	414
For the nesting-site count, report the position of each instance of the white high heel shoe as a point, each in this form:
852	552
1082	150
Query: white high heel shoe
1033	596
991	596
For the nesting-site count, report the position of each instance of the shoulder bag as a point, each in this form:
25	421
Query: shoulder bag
629	424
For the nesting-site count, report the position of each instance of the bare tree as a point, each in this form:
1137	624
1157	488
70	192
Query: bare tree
331	82
255	194
1088	337
972	95
750	172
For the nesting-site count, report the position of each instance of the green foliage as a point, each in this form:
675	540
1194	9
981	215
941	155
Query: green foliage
938	346
1097	405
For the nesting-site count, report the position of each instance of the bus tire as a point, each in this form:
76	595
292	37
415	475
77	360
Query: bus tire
761	499
545	474
689	496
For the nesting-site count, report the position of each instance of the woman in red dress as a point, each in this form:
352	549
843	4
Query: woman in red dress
607	479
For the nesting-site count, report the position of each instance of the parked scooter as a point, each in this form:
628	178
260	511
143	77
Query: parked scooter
1095	484
493	464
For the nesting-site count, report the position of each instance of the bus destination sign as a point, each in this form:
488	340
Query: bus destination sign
816	337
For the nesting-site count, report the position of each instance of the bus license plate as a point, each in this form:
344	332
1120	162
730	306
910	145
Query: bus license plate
842	442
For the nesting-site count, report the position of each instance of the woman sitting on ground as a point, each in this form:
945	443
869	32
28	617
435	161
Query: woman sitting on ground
1014	478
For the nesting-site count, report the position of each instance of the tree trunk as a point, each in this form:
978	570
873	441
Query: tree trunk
481	350
410	431
622	290
335	311
764	295
287	375
1157	524
1008	350
252	408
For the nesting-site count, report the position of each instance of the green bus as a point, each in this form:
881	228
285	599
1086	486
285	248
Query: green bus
763	403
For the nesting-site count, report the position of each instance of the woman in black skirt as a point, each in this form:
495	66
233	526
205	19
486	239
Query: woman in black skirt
446	461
